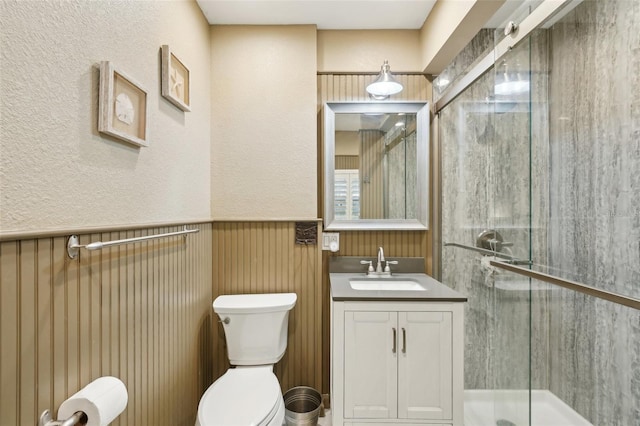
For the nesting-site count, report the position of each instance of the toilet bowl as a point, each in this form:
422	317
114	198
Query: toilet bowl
243	396
255	329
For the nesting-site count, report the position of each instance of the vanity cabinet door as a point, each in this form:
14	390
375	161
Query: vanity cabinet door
425	365
370	365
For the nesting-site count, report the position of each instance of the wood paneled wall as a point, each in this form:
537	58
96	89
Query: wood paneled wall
140	312
351	88
262	257
347	162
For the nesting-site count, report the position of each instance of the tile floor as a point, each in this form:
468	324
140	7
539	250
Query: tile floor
326	420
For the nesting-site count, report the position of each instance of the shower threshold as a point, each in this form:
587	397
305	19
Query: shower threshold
483	407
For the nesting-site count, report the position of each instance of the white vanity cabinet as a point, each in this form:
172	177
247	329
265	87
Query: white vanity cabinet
397	363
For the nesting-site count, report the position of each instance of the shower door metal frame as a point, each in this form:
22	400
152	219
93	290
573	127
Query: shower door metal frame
545	14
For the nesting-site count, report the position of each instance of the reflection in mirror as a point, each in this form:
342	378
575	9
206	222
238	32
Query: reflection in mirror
376	165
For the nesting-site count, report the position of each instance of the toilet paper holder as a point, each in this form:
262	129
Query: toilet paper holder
78	418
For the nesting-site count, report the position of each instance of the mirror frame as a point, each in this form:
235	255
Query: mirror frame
421	109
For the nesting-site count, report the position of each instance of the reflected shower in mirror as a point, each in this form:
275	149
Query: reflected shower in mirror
376	165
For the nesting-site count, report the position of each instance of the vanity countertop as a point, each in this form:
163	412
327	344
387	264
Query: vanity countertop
435	291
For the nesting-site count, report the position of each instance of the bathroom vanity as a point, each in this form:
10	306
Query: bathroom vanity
396	350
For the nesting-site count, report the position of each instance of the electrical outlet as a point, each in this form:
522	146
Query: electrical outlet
328	238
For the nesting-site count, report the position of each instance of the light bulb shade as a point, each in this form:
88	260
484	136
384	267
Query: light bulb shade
385	85
507	83
511	87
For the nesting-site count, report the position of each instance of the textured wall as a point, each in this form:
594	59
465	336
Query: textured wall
263	141
56	170
594	208
366	50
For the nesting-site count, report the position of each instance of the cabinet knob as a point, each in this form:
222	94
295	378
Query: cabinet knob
393	349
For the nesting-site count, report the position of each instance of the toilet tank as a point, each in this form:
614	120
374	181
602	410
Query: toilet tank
255	326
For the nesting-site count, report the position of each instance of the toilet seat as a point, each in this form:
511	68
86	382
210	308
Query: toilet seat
243	396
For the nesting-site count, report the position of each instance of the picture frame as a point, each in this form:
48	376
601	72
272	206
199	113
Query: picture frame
123	112
176	84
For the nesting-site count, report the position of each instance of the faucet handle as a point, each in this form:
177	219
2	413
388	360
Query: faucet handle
368	262
389	262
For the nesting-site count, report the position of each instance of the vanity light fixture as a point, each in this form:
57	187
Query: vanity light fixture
385	85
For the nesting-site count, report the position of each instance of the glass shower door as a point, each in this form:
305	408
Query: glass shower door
487	195
510	216
486	137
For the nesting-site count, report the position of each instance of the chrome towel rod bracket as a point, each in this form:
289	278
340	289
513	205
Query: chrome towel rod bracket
74	246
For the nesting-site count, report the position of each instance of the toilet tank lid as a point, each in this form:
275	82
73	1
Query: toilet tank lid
254	303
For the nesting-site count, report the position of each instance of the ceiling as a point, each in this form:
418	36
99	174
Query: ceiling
333	14
325	14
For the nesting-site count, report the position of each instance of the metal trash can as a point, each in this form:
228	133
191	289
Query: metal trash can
302	406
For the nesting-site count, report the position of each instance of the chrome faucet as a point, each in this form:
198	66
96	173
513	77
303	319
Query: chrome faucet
379	269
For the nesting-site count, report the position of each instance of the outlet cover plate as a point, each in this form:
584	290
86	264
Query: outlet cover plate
328	238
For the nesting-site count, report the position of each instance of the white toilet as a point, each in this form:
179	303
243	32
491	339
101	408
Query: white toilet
255	327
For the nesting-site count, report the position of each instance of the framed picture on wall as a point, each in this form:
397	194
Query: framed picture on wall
122	106
175	80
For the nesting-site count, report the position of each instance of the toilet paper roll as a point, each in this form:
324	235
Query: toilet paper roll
101	400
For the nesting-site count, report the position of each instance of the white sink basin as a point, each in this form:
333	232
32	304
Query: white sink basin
386	284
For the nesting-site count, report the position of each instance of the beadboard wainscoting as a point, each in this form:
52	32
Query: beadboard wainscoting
350	87
140	312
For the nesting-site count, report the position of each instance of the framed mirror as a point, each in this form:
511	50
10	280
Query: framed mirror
376	166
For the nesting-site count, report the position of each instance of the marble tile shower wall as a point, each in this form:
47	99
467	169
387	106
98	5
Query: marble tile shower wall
477	48
402	177
594	230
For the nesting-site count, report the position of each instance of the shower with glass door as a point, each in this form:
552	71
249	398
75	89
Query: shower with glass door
539	207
